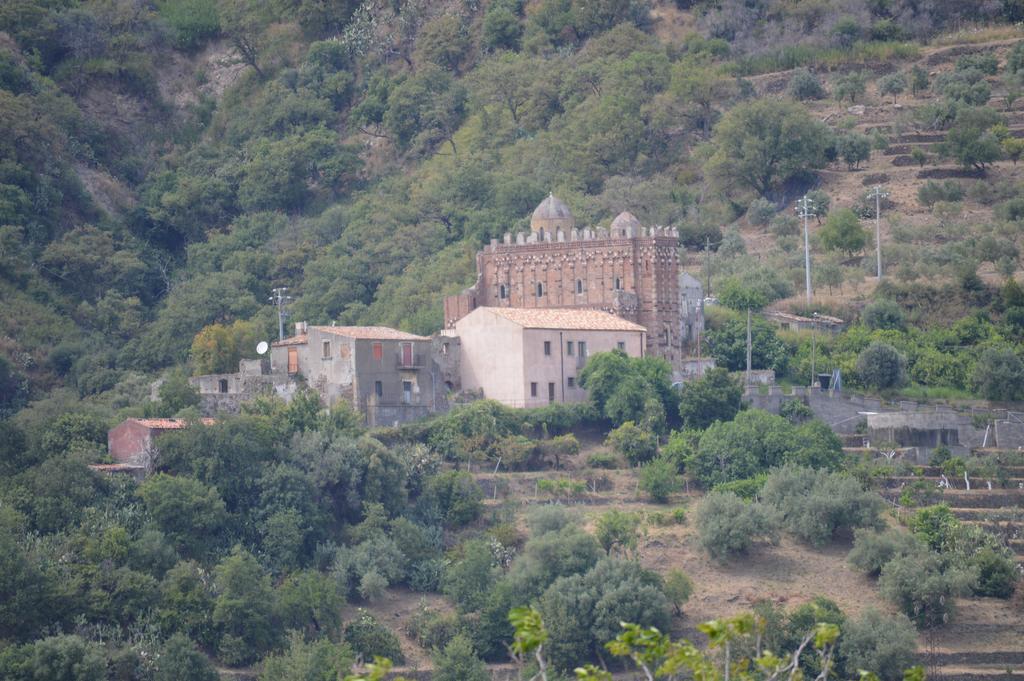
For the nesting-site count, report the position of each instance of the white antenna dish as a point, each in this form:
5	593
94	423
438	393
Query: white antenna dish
262	347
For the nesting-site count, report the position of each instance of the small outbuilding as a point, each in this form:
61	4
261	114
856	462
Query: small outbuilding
132	443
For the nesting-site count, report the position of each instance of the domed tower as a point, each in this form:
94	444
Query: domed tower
550	216
625	226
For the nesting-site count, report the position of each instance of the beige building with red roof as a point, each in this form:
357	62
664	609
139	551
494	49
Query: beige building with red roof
387	374
529	357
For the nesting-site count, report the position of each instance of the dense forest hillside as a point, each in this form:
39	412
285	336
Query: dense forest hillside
165	164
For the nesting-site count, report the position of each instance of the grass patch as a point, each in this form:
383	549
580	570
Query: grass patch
979	34
922	392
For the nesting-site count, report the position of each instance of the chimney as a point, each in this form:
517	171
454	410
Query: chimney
300	328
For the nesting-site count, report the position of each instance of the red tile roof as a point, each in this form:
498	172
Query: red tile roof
170	424
294	340
564	318
370	333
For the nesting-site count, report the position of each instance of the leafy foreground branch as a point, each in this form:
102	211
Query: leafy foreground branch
729	655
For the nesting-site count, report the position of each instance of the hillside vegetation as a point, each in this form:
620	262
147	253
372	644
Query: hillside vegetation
164	164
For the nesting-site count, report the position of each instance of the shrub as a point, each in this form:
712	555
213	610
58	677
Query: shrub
883	314
997	573
931	192
678	589
659	479
459	662
634	443
607	460
919	587
933	525
369	638
457	497
784	224
805	85
795	411
998	374
760	212
886	644
873	549
881	366
193	21
544	519
617	530
748	488
729	526
815	505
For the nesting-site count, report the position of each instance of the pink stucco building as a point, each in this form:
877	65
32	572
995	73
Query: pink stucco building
132	443
532	357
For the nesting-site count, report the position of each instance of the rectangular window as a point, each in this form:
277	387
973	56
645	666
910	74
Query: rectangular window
327	349
570	348
533	390
622	345
547	348
407	392
551	392
407	354
378	389
583	348
571	381
378	351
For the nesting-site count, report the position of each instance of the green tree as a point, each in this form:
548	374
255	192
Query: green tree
637	445
318	660
459	662
762	144
186	603
853	148
881	366
713	397
218	347
729	526
886	643
805	85
894	84
67	658
922	590
998	374
369	638
244	609
678	589
884	314
918	79
659	479
191	514
843	232
469	580
728	345
618	530
970	141
245	23
442	41
179	660
849	86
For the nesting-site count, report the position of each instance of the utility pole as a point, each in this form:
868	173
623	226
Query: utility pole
748	346
814	334
877	194
805	208
280	299
707	265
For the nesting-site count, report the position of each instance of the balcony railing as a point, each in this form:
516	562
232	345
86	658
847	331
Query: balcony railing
410	363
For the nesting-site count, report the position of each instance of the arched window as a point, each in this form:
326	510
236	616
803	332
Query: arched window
540	289
579	286
618	284
502	292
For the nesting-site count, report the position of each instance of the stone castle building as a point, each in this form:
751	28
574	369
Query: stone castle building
628	270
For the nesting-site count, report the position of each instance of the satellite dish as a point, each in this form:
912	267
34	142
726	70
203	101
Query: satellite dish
261	348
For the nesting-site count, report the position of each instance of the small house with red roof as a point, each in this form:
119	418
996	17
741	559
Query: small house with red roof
132	443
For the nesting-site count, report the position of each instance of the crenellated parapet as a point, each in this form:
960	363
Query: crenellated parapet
578	235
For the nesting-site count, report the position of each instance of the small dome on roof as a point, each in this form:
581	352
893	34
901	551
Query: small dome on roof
551	215
626	224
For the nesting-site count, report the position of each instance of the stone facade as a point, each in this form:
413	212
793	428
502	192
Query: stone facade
132	443
627	270
388	375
